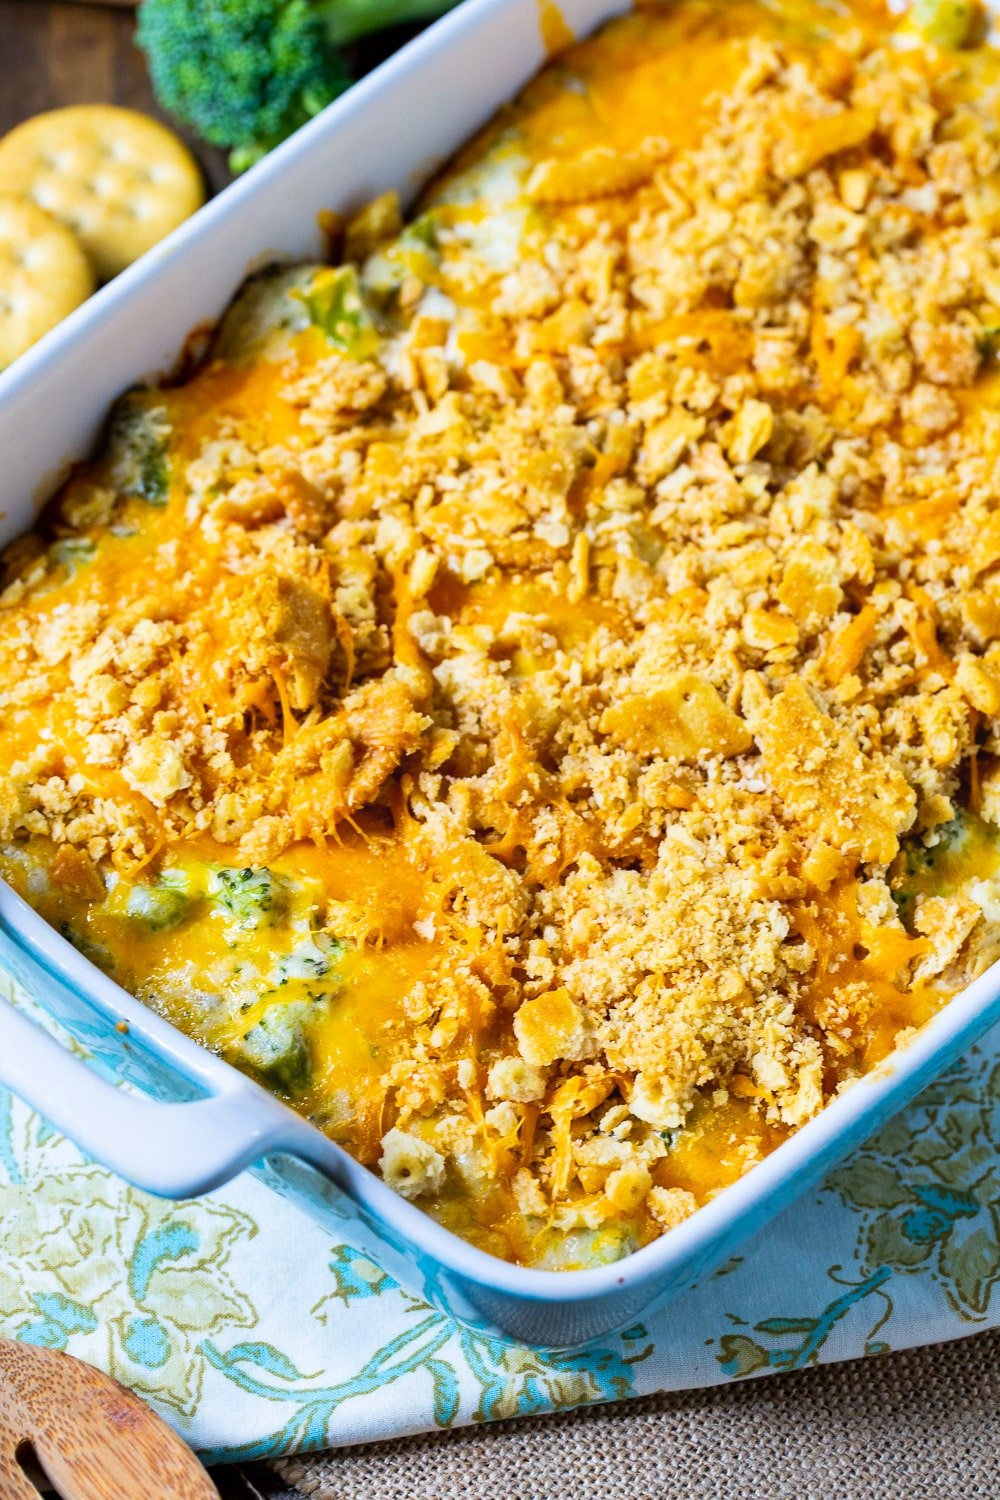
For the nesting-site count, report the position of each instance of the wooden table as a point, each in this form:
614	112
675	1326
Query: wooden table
53	53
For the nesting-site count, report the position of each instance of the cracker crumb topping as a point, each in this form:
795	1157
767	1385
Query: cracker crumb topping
612	554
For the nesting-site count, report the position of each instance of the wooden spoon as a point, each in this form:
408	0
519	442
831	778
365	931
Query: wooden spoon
90	1437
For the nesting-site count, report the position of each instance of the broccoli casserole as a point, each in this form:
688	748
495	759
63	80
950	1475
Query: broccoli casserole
529	692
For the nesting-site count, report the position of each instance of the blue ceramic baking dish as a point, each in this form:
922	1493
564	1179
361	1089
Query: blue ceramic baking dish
129	1089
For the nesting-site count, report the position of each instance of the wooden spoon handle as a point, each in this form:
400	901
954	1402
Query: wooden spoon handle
14	1483
94	1439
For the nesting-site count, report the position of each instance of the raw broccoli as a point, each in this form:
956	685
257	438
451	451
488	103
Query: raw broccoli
245	73
250	898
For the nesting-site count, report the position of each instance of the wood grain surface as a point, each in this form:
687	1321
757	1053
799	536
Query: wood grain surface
54	53
91	1438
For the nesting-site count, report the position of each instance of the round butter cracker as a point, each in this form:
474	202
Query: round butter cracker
44	274
119	180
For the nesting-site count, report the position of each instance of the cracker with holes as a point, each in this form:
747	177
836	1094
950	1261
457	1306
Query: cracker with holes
44	274
119	180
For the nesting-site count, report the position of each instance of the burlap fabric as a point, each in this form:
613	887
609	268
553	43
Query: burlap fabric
906	1426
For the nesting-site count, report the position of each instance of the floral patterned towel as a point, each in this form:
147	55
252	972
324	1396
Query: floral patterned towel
255	1334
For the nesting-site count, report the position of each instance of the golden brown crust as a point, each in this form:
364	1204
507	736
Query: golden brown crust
648	574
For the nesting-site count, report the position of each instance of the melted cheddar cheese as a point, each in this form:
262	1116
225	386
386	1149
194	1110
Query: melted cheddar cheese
529	695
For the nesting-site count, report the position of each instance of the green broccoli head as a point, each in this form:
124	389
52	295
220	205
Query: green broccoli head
73	553
249	898
138	449
276	1047
338	308
158	907
243	73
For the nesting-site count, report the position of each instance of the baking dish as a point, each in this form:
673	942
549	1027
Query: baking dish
199	1142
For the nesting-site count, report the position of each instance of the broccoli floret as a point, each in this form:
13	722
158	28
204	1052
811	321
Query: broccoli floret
246	73
422	232
337	307
138	441
312	959
158	906
933	866
414	252
276	1047
988	341
581	1249
264	315
73	552
251	898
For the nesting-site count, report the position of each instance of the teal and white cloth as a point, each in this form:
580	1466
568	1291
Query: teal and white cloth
256	1334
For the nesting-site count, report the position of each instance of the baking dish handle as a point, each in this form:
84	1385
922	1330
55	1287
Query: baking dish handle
176	1150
